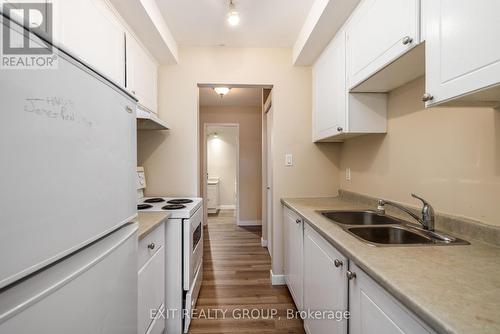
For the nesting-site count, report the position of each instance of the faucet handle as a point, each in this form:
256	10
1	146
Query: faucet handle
424	202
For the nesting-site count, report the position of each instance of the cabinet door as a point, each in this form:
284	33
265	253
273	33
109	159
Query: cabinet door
89	30
142	75
379	32
151	289
462	49
293	255
375	311
325	283
329	110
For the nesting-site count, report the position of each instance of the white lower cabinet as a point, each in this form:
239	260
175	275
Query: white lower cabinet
321	279
375	311
151	282
293	227
325	284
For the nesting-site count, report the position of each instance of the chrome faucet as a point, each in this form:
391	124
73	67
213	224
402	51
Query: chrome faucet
427	219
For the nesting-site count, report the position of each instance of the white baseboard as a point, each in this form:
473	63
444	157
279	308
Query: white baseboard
263	243
250	223
227	207
277	279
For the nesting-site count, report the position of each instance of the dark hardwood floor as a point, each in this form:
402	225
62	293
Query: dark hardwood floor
236	295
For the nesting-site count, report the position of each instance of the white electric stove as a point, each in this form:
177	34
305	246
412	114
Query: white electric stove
183	252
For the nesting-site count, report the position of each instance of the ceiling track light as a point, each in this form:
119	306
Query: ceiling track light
233	18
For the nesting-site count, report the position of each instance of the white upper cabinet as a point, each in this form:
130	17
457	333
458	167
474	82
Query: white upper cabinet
294	234
330	94
462	52
142	75
90	31
338	114
378	33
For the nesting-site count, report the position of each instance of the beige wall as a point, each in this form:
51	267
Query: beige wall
250	139
171	158
450	156
222	161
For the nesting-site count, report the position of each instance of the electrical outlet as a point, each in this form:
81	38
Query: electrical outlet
348	174
288	160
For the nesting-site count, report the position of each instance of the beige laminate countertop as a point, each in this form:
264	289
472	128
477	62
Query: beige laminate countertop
148	221
454	289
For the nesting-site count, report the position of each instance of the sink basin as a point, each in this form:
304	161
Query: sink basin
390	235
359	218
383	230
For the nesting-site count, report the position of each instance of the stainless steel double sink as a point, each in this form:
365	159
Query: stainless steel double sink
383	230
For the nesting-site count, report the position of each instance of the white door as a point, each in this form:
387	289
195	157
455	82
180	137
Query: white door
379	32
462	49
375	311
325	283
330	94
89	30
269	179
142	75
293	227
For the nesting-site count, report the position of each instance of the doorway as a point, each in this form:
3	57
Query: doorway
240	108
222	168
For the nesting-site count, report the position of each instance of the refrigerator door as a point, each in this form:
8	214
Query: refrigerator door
68	142
91	291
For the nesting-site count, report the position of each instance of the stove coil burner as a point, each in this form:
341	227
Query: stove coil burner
154	200
180	201
173	207
144	206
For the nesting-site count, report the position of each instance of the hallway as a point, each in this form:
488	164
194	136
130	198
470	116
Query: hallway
236	281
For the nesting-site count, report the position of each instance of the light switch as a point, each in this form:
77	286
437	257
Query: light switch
348	174
288	160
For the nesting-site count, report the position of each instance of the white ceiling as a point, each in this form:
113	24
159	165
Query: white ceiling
241	97
264	23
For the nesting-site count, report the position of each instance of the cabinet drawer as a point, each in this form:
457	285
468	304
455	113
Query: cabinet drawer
150	245
151	284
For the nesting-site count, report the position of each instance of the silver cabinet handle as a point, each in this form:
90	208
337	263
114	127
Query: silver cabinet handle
339	129
298	221
129	109
338	263
427	97
407	40
350	275
152	246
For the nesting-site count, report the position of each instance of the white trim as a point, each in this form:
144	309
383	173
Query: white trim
277	279
250	223
227	207
263	243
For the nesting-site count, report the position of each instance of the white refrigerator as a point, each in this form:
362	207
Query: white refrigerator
67	195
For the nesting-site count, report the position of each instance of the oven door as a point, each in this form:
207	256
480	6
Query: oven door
193	247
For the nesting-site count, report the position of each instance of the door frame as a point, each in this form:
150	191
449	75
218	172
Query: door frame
205	166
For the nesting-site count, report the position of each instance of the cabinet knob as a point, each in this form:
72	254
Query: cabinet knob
350	275
339	129
338	263
152	246
427	97
297	221
129	109
407	40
